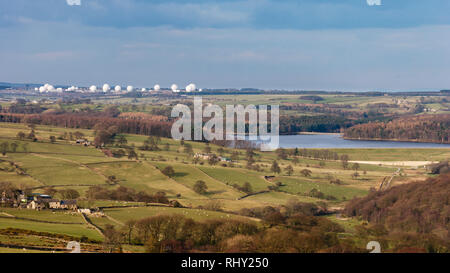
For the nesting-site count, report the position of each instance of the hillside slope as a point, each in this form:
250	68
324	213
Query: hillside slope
422	207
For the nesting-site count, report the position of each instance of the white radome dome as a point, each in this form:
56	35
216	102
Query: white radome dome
117	88
106	87
72	88
50	88
93	88
130	88
59	89
42	89
156	87
174	88
143	90
191	87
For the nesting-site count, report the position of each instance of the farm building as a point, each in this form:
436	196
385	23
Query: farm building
36	205
208	156
63	204
84	142
224	159
203	156
94	212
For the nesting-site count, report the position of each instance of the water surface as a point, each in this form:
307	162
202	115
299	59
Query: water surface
336	141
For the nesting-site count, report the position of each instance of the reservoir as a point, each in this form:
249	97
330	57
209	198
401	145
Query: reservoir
336	141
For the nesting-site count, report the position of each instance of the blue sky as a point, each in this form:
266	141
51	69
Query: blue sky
276	44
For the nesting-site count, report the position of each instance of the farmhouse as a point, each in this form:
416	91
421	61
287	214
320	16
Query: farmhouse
15	199
208	156
83	142
224	159
203	156
36	205
84	211
36	201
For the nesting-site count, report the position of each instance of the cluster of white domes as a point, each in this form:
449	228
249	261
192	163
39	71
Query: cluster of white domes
48	88
107	88
72	88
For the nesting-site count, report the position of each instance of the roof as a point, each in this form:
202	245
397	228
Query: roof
45	196
39	195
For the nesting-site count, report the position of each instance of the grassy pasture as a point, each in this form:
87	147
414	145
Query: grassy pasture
124	214
9	174
188	175
302	186
278	198
72	230
144	177
235	175
396	154
15	250
44	215
53	171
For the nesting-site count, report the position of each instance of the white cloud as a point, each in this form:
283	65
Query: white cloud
73	2
374	2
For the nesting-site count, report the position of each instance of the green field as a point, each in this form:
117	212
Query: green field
72	230
396	154
143	176
188	175
303	186
125	214
24	250
44	215
237	176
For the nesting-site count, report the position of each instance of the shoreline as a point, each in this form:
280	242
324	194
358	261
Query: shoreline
394	140
314	133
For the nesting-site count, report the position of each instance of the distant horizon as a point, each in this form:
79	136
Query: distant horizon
234	88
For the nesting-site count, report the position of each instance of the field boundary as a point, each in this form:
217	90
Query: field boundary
39	221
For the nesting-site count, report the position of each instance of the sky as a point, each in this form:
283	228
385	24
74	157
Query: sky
352	45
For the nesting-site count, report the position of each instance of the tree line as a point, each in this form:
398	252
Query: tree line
125	194
90	120
423	128
295	229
